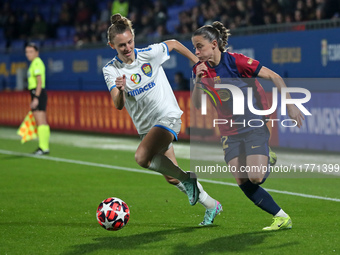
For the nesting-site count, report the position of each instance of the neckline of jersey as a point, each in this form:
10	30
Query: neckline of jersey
120	61
220	63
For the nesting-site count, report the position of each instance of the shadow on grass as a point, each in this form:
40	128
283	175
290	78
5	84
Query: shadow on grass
244	242
131	242
234	243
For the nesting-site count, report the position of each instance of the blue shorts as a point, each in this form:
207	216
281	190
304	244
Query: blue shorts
250	143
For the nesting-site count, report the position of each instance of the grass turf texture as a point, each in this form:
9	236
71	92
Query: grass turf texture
49	207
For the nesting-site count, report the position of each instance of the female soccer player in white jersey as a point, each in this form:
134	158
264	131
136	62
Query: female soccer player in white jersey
136	80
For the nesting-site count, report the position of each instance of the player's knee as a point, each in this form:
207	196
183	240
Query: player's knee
141	159
257	181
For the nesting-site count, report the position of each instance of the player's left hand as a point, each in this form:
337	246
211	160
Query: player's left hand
34	103
295	114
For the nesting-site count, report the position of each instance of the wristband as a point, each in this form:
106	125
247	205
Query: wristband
35	96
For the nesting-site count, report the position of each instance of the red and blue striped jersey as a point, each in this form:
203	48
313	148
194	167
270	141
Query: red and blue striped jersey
235	68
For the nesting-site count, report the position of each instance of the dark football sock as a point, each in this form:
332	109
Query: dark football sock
260	197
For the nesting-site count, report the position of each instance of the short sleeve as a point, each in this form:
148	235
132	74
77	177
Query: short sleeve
246	66
38	68
193	73
158	52
110	76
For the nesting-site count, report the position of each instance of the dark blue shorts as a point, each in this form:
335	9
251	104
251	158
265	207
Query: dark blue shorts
250	143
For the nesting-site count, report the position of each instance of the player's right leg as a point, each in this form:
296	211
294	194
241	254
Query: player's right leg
150	152
257	163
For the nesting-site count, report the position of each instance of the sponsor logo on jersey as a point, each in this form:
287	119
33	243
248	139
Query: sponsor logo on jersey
136	78
147	69
250	61
141	90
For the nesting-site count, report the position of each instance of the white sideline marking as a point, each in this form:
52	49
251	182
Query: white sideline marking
79	162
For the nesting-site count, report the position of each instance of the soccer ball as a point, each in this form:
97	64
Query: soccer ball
113	214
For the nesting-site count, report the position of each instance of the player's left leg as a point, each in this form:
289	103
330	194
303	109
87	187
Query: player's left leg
212	206
272	154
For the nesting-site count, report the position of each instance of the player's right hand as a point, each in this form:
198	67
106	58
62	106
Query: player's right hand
121	82
201	69
34	103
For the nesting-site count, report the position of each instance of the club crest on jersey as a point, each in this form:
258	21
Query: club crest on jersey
217	80
250	61
147	69
136	78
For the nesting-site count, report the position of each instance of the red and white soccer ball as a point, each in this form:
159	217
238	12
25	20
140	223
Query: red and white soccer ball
113	214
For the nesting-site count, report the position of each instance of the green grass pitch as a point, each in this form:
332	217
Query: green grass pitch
49	207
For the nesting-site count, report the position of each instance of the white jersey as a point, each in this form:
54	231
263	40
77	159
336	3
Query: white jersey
148	94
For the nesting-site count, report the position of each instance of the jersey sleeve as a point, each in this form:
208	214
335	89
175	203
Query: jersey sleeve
38	68
246	66
158	52
110	76
193	73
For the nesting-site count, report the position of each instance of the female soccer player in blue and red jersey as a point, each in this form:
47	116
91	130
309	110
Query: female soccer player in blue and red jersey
245	147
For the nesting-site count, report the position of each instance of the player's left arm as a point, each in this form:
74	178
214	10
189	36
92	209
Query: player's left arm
181	49
293	111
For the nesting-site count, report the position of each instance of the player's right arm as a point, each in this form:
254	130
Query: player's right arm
116	85
117	93
198	72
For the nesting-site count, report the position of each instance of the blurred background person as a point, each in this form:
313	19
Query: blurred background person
181	83
36	86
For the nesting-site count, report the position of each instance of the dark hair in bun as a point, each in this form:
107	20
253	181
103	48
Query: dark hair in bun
119	25
216	31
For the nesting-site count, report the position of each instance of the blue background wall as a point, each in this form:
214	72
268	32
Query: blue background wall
290	54
321	130
303	54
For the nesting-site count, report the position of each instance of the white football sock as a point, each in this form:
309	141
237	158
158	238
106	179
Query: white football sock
164	165
281	213
181	187
204	199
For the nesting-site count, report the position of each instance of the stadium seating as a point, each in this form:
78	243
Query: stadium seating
63	33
